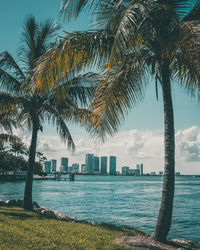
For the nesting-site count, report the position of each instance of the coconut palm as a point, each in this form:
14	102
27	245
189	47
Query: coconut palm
56	105
132	40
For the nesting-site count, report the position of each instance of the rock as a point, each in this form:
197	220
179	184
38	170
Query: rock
48	213
19	203
11	203
35	205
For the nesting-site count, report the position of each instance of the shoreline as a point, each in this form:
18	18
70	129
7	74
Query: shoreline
140	240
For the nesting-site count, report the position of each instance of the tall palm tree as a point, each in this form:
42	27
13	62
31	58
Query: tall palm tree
133	38
56	105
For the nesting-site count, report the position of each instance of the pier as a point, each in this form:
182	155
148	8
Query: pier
21	176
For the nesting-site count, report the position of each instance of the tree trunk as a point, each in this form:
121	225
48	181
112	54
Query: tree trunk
165	214
28	204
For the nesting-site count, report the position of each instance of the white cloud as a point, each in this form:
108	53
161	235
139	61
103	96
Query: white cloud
188	144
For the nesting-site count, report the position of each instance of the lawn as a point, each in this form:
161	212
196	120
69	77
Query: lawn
27	230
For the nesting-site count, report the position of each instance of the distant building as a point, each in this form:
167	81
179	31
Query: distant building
138	166
47	167
83	168
141	169
64	164
161	173
75	167
53	165
112	165
153	173
89	161
134	172
125	170
96	163
178	173
104	165
69	169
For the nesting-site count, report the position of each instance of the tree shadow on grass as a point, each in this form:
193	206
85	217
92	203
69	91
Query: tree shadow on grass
19	216
124	229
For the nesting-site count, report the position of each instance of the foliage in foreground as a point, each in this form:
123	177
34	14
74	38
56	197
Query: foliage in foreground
27	230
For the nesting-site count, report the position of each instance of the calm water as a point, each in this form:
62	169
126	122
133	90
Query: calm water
121	200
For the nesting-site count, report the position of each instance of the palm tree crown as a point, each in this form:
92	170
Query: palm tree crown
132	40
56	105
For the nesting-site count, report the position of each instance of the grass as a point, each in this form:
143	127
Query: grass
27	230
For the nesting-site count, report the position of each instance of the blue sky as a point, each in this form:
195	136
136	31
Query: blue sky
146	116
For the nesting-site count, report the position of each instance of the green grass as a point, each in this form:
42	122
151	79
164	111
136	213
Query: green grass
26	230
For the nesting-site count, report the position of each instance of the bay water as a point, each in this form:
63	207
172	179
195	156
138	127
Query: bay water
121	200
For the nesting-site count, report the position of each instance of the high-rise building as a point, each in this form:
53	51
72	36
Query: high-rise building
75	167
112	165
64	164
83	168
96	164
104	165
89	161
138	166
47	167
125	170
53	165
141	169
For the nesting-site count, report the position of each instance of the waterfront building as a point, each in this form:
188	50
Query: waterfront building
96	163
178	173
89	161
64	164
47	167
161	173
138	166
134	172
153	173
141	169
125	170
104	165
83	168
112	165
53	165
69	169
75	167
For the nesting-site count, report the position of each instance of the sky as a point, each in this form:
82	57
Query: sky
140	138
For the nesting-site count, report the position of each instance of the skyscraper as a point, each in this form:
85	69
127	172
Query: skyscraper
53	165
47	167
89	161
104	165
75	167
96	164
112	165
141	169
64	164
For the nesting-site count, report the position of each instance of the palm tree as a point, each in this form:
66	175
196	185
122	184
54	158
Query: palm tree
133	39
56	105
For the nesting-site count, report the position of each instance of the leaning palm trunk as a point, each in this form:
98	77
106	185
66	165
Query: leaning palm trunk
165	213
28	204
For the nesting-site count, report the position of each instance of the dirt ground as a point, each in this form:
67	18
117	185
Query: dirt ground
145	242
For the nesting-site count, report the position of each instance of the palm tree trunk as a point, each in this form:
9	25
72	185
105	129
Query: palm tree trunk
28	204
165	214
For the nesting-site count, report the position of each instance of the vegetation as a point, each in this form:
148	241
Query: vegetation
56	105
22	230
133	39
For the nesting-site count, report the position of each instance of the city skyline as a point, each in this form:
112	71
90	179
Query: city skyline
141	135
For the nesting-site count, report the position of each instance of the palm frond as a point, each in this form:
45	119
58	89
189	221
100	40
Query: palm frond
72	8
76	52
124	87
9	82
194	14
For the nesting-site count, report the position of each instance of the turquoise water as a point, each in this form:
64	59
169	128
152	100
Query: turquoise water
121	200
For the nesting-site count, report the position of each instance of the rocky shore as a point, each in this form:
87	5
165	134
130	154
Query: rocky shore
40	210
